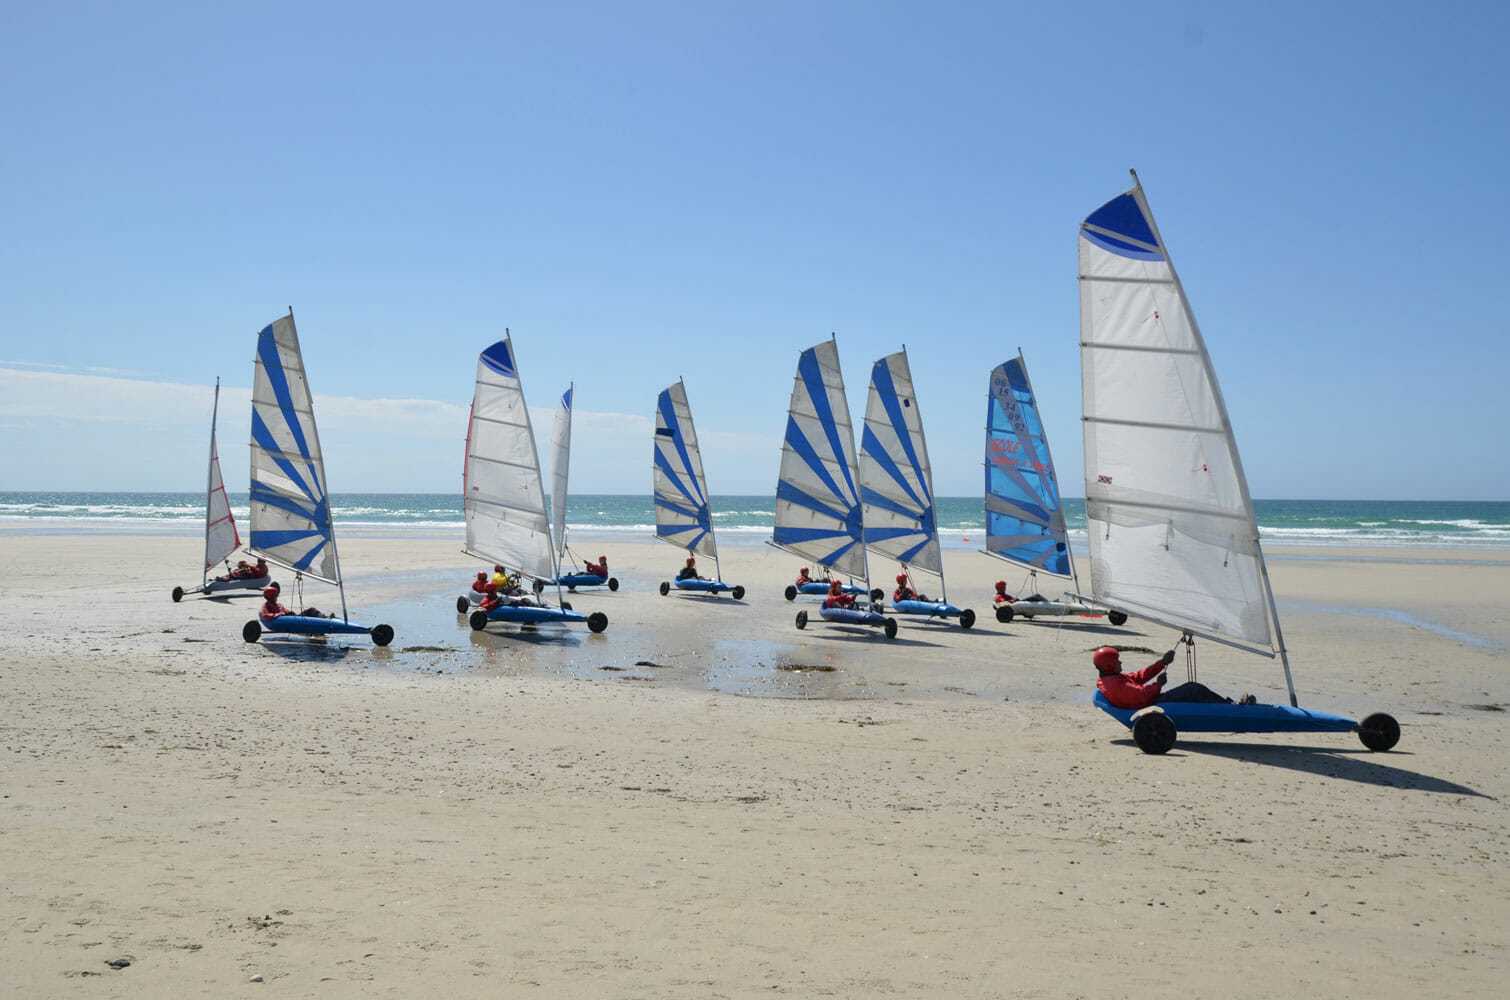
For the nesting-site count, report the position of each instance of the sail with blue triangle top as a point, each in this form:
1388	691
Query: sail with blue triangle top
1024	517
560	466
1172	533
503	500
683	516
818	514
896	479
290	505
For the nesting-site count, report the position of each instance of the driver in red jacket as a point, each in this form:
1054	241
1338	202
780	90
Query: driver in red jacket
837	598
270	607
1145	687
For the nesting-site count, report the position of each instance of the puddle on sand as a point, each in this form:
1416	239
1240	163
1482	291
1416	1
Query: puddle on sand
761	668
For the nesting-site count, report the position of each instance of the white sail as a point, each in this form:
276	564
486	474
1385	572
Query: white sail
817	493
896	480
1171	528
290	506
560	466
502	498
683	516
220	535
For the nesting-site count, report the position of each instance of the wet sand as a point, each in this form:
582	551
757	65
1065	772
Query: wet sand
704	801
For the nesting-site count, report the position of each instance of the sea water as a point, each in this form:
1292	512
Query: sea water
748	519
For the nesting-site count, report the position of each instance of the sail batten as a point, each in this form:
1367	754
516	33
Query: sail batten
1169	518
817	512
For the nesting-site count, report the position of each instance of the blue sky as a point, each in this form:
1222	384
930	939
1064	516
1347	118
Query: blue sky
648	191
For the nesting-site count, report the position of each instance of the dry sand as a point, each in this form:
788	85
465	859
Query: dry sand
705	802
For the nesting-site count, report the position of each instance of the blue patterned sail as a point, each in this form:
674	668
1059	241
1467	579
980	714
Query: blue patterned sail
1024	518
682	513
896	480
290	506
817	495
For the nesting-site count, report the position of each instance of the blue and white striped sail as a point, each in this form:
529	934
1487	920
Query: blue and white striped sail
817	495
1170	521
1024	518
682	514
560	466
220	535
896	481
502	497
290	505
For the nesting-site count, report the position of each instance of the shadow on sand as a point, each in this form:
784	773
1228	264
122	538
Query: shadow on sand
1361	765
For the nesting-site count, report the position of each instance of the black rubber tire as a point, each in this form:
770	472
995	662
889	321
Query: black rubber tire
597	621
1116	617
252	630
178	594
1004	613
382	635
538	584
665	588
566	605
613	583
791	593
1154	733
890	628
802	619
877	595
462	604
738	592
966	618
479	620
1379	732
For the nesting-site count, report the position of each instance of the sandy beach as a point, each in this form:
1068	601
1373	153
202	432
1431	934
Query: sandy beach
705	802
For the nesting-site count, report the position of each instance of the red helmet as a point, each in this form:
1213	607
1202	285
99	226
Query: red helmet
603	560
901	578
1108	659
269	593
803	571
691	561
491	588
482	576
1001	586
834	586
